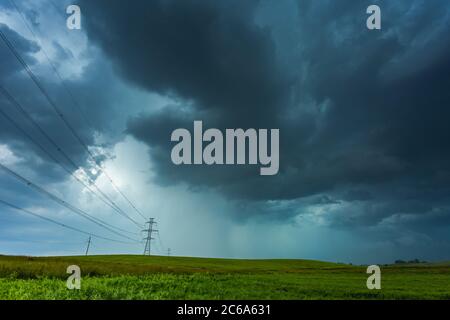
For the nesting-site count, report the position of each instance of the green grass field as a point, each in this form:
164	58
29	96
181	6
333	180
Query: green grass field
139	277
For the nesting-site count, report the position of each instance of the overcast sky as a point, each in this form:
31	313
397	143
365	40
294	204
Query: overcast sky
363	116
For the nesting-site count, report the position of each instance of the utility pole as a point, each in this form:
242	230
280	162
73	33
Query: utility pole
148	239
168	252
88	245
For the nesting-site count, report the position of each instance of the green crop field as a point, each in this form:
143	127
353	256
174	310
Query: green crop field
140	277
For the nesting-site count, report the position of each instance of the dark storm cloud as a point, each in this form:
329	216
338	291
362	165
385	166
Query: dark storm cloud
362	114
9	75
85	91
27	48
208	52
210	56
386	103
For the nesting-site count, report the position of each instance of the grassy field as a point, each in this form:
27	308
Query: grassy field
139	277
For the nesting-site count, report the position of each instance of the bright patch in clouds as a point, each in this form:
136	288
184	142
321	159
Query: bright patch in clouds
7	157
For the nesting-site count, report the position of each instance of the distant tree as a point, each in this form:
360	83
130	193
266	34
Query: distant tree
399	261
414	261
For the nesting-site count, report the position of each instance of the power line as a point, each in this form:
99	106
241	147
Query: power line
160	241
69	206
88	245
59	113
61	116
57	222
151	222
53	66
22	110
33	140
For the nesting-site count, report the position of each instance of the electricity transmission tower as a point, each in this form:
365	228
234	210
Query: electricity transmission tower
168	252
148	239
88	245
